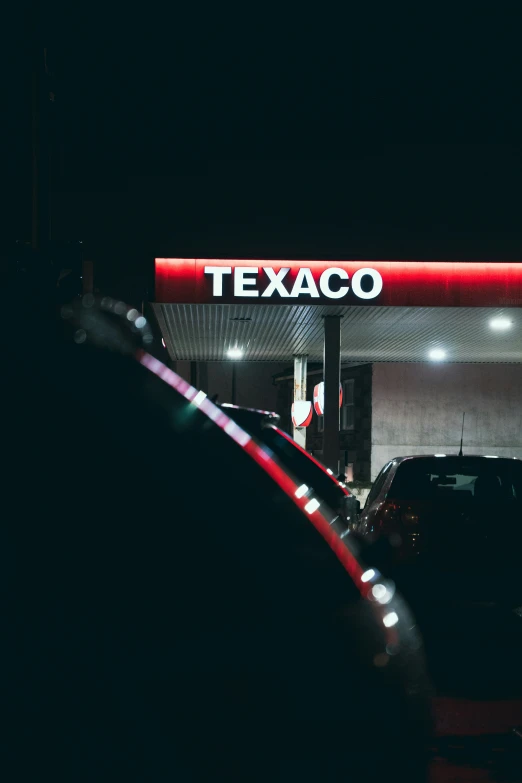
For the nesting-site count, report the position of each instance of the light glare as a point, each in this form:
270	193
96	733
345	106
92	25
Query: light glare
437	355
382	594
234	353
378	591
312	506
390	619
198	399
369	574
300	491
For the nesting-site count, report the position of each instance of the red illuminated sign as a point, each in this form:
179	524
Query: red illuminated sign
385	283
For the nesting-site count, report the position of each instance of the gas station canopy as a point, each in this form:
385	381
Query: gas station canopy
390	311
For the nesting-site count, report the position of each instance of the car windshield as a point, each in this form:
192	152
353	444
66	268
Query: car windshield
481	479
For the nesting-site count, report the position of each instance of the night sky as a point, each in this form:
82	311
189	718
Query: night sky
248	132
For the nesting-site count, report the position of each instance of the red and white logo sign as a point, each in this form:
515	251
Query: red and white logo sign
301	413
319	398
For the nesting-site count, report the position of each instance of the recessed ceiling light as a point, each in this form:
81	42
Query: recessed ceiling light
437	355
500	324
234	353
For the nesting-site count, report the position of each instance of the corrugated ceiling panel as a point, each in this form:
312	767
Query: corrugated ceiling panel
276	333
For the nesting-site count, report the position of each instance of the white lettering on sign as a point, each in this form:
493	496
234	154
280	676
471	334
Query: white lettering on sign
240	281
376	287
324	282
276	281
304	284
217	273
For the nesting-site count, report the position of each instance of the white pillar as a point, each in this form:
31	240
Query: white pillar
300	367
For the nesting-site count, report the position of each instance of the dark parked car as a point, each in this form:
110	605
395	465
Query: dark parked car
167	621
448	529
264	426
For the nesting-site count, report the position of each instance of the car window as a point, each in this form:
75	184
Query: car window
472	479
378	484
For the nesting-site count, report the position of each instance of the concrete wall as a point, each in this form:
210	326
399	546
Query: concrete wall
417	409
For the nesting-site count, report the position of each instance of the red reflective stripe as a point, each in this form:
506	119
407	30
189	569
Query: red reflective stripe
320	522
269	465
312	458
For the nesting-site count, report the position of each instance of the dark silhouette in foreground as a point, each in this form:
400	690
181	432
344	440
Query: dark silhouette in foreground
163	626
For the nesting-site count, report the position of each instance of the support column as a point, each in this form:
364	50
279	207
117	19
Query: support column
300	367
332	379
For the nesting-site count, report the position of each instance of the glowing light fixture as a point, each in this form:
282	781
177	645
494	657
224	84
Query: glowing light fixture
439	455
437	355
234	353
369	574
500	324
